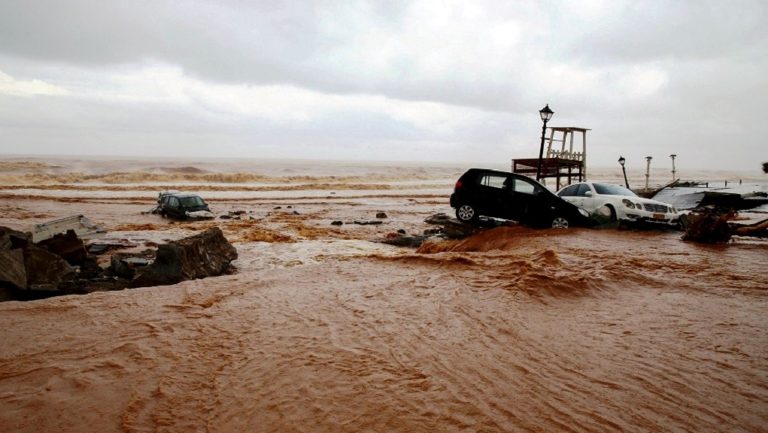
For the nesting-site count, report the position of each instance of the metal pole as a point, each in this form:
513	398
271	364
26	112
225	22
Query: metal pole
673	156
541	150
647	170
626	183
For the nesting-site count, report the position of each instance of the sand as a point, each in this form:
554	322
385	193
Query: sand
323	330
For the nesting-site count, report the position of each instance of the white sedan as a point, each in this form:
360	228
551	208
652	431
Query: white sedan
618	203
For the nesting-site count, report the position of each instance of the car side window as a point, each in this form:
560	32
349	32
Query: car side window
523	186
173	202
569	191
493	181
583	188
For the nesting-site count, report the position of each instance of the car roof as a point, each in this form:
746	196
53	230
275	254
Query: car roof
498	172
181	195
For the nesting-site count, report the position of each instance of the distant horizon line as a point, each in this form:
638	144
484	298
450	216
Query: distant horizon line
437	163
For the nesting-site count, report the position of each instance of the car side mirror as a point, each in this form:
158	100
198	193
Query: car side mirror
588	194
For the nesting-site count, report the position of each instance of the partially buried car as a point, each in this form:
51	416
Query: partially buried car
619	203
183	206
499	194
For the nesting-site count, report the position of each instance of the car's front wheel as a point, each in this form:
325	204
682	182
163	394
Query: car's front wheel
466	213
560	222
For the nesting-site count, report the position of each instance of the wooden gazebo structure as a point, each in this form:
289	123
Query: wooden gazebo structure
558	163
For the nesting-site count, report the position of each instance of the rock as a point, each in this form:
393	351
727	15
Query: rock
296	212
381	215
98	248
455	229
277	207
45	270
11	239
337	223
401	231
199	256
366	223
124	265
12	269
68	246
225	217
401	240
439	219
707	226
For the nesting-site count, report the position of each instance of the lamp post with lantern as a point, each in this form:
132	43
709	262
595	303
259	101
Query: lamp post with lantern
624	170
546	114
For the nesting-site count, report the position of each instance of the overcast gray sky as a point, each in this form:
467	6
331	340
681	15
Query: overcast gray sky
385	80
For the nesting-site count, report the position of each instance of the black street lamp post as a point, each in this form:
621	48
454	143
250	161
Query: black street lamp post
545	114
621	161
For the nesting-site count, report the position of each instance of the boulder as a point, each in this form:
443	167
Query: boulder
69	246
45	270
381	215
12	270
203	255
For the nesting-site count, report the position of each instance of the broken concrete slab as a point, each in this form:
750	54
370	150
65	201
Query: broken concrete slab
45	270
69	246
11	239
12	269
199	256
84	228
124	265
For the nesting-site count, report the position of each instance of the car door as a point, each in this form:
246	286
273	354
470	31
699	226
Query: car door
174	207
586	197
491	194
521	201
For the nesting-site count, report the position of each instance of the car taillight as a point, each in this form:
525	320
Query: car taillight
458	185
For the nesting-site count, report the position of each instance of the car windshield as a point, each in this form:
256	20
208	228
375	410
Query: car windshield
192	201
606	189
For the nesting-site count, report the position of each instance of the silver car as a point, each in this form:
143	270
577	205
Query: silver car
618	203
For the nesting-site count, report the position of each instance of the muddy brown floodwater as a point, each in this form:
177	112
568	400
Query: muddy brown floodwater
514	330
321	330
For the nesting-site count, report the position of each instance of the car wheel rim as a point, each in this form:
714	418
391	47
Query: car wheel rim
466	213
560	223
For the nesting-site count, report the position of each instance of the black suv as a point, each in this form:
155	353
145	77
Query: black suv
512	196
182	206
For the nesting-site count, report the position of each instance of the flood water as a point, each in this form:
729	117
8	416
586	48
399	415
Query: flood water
513	330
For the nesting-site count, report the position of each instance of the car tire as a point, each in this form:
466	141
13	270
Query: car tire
560	222
613	217
466	213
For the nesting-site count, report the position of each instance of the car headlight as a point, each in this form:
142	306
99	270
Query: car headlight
628	203
583	212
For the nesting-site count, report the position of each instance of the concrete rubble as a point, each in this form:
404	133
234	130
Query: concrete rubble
61	264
